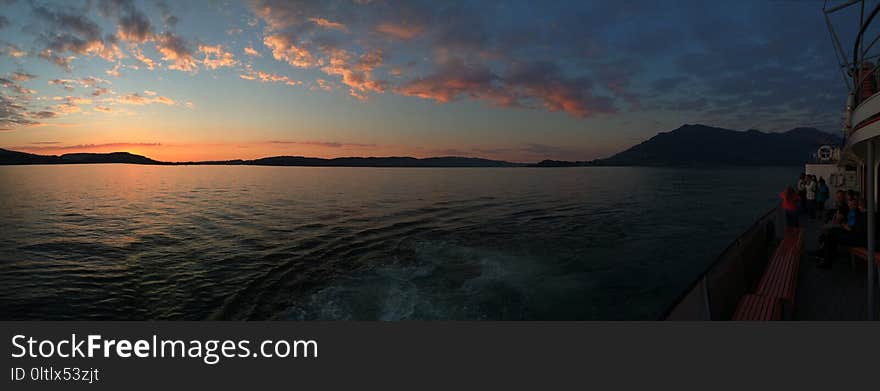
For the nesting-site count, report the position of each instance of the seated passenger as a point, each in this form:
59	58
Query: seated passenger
836	215
851	233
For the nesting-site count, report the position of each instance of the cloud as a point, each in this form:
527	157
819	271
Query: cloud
216	57
279	14
114	71
323	85
68	30
251	52
67	108
12	50
22	76
539	82
73	100
400	30
87	82
328	24
4	22
326	144
101	91
144	59
13	114
167	17
357	75
91	81
17	88
267	77
42	114
103	109
70	104
134	27
544	82
140	100
284	49
61	61
176	51
64	83
85	146
452	80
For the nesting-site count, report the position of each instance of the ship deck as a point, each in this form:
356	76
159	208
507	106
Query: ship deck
838	293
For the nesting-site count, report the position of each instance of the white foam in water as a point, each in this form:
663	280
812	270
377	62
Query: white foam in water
443	281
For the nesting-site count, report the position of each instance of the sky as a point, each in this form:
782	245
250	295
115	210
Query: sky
514	80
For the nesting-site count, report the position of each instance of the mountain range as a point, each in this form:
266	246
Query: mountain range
705	145
689	145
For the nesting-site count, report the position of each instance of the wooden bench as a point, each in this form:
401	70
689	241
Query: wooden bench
778	284
780	278
861	253
757	307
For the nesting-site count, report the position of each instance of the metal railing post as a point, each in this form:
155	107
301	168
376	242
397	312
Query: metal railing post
706	302
870	194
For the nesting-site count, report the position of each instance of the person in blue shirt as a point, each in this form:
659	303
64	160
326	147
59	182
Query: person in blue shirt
853	232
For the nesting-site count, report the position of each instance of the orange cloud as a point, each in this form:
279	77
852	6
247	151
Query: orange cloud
356	75
523	85
266	77
148	62
175	50
251	52
140	100
114	71
73	100
12	51
284	49
216	57
67	108
52	148
107	51
324	85
328	24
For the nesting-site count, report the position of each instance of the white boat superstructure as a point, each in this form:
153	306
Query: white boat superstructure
861	128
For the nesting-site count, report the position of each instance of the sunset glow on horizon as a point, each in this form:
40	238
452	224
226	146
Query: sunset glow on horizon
518	81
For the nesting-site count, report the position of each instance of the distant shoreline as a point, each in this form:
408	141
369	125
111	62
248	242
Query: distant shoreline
522	165
694	146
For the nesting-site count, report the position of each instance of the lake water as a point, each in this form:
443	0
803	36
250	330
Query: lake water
237	242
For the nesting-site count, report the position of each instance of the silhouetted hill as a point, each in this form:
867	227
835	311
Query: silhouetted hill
15	157
561	163
395	161
706	145
112	157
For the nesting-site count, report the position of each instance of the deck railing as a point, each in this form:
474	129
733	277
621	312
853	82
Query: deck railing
715	292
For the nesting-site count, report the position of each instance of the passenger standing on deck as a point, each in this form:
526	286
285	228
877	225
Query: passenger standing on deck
811	188
790	206
802	190
822	194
